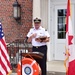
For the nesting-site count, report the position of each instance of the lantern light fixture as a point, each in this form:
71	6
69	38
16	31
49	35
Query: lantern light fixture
16	10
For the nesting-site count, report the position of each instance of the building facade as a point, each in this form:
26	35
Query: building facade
53	15
16	29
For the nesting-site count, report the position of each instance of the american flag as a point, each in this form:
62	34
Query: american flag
5	67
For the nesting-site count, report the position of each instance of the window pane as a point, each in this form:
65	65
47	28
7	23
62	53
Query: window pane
60	19
61	35
60	12
60	28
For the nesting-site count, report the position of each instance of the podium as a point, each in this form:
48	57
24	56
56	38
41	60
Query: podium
28	64
35	55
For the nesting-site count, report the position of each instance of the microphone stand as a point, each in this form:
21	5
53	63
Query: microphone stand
25	43
21	53
21	62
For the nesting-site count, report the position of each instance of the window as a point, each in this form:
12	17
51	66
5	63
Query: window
61	28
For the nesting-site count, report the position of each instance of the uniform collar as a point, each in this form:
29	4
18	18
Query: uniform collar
39	28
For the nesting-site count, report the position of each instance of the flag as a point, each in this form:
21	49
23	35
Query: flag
70	50
5	67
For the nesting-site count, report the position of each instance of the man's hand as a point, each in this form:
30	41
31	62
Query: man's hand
33	35
47	39
38	40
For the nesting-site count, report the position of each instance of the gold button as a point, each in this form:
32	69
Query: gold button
36	46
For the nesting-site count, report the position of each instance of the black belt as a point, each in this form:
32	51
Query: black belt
39	46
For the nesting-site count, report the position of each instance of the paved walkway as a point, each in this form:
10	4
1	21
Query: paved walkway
56	66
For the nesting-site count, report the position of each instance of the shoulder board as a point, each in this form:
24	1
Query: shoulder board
31	29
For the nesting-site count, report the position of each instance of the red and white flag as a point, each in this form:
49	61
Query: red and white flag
5	67
70	49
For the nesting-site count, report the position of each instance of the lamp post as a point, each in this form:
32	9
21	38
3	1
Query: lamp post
16	10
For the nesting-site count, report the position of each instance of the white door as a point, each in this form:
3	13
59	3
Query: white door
60	32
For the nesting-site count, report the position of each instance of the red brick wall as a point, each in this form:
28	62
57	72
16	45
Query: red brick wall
12	29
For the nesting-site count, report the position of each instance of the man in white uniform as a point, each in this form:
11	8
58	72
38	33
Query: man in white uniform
34	36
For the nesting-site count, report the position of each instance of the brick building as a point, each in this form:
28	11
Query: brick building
12	29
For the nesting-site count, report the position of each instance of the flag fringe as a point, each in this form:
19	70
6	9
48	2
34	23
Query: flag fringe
67	57
9	72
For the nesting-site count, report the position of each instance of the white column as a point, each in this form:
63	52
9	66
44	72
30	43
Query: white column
49	53
44	13
36	8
